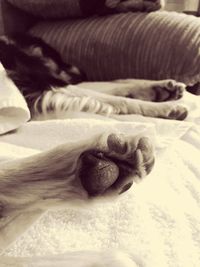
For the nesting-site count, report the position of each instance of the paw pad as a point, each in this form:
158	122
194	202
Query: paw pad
117	144
98	172
114	170
168	90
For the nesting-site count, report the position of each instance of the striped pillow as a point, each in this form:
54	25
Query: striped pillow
49	8
157	45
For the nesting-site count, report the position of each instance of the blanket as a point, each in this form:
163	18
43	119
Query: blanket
156	221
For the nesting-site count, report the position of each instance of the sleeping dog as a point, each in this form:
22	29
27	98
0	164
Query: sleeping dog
51	179
44	80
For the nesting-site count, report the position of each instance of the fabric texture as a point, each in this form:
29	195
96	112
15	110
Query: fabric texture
2	26
155	45
13	20
157	221
13	108
49	8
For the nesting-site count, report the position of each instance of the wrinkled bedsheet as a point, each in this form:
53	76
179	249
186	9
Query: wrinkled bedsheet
156	221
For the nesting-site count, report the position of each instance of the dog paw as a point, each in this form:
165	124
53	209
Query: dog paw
114	169
167	90
177	112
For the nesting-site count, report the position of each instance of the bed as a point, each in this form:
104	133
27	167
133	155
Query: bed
156	221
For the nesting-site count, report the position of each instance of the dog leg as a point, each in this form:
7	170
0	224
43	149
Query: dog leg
78	99
156	91
52	179
75	259
165	110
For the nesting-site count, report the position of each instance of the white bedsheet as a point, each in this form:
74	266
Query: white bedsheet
157	221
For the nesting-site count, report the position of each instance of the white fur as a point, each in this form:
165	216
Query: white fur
50	179
76	259
108	99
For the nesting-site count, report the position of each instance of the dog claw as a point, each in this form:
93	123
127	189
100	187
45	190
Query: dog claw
125	188
138	158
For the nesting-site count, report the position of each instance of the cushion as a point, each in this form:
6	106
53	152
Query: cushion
49	8
13	20
14	111
157	45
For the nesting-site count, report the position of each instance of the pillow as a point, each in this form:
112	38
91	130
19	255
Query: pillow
157	45
13	20
49	8
14	111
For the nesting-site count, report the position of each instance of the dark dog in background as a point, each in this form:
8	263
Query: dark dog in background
41	75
